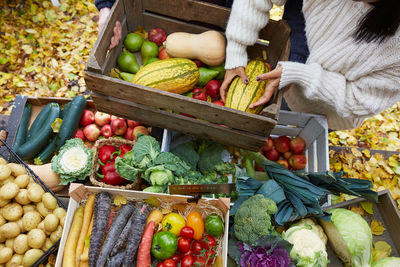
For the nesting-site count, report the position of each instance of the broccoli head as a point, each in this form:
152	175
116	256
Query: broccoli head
253	219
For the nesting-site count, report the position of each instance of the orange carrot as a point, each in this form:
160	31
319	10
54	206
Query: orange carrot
144	258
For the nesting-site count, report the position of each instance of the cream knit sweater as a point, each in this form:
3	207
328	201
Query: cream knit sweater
343	80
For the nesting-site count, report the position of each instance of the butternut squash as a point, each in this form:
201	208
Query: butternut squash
48	176
209	46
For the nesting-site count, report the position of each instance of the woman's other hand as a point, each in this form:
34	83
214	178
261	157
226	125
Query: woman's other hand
274	78
229	75
103	15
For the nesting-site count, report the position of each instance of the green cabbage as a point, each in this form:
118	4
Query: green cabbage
387	262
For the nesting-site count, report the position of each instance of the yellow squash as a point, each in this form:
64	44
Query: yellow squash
240	96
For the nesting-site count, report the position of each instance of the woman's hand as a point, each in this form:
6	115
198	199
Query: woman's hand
274	78
229	75
103	15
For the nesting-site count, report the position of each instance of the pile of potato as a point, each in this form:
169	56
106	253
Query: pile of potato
30	219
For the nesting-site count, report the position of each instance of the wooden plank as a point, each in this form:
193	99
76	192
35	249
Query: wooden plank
190	11
161	99
323	152
285	130
391	216
97	57
136	19
15	119
165	119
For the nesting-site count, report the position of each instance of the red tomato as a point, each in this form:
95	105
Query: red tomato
187	261
169	263
189	253
197	247
184	244
199	261
187	232
160	264
208	242
210	256
176	258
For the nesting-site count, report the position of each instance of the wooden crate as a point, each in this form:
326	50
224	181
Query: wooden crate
149	105
384	211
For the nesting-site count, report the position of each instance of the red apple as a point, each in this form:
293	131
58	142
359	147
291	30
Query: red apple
219	103
199	63
157	36
119	126
284	162
282	144
129	134
87	117
106	131
162	54
298	161
272	154
269	144
297	145
200	94
212	88
287	154
132	124
113	117
79	134
92	132
140	130
101	118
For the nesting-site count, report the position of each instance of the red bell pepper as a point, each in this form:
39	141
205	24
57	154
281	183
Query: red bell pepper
123	149
106	153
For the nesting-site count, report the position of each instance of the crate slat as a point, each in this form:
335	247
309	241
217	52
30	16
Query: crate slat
165	119
200	109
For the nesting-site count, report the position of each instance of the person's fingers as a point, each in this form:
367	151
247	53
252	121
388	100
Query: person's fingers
269	90
242	74
113	43
276	73
117	35
224	89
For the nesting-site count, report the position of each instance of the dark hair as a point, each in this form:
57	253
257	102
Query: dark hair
380	22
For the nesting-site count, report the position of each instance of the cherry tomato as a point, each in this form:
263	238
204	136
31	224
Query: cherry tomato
199	261
197	247
208	242
187	261
176	258
160	264
188	253
184	245
210	256
187	232
195	220
169	263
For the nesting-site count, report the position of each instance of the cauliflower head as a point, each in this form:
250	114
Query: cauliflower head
253	219
316	228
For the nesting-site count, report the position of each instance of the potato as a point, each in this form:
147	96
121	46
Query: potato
49	201
22	197
36	238
41	226
5	254
21	244
5	172
22	180
35	192
10	230
31	256
2	239
16	169
56	235
12	212
62	221
16	260
9	190
51	222
2	161
20	224
28	208
4	202
10	179
31	220
47	244
42	209
10	243
60	213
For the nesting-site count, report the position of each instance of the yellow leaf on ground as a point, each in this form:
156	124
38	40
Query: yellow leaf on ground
381	250
358	210
377	227
367	206
119	200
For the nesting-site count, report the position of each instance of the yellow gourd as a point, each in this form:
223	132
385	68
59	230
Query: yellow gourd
48	176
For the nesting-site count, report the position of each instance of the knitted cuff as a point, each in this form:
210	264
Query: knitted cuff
236	55
103	3
298	73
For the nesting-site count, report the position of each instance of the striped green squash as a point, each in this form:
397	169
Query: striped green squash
175	75
240	96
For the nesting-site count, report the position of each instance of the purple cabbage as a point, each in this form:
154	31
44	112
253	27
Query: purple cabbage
263	256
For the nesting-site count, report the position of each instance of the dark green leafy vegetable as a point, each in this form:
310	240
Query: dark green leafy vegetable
187	153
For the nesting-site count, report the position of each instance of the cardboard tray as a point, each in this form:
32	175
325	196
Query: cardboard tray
384	211
79	192
153	106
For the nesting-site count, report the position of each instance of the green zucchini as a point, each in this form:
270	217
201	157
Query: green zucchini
20	138
70	121
65	109
33	146
38	122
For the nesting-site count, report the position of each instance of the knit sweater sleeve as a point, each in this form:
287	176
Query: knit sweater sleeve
247	18
103	3
364	97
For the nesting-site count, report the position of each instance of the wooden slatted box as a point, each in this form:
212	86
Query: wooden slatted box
153	106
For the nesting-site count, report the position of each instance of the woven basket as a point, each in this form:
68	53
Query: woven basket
95	180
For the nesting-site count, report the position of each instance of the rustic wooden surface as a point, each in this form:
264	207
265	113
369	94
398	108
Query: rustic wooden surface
183	124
